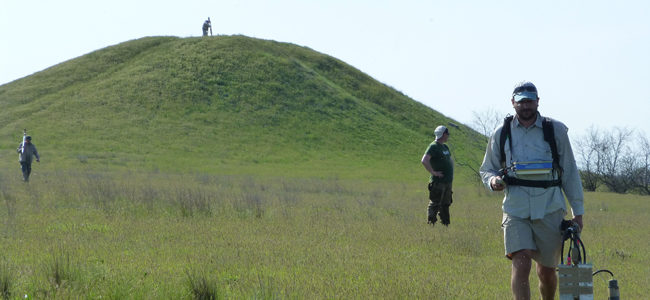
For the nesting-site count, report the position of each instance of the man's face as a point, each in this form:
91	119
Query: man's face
444	137
526	109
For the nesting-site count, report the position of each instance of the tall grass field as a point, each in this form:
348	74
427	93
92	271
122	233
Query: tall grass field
154	235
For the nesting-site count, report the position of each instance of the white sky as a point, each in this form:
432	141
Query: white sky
589	59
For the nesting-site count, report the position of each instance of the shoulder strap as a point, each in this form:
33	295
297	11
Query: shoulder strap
549	137
505	134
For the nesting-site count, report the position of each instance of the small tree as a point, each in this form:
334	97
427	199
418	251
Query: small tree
605	157
588	158
486	121
616	160
643	175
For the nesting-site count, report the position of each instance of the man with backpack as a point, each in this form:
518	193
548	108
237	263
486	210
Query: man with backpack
530	157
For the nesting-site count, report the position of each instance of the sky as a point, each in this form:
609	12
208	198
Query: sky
590	60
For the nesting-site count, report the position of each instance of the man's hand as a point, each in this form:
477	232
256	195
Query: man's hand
437	174
496	183
578	220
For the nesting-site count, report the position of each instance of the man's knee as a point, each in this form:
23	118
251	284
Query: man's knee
521	259
546	274
522	254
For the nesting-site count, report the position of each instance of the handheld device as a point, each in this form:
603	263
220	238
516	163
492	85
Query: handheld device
22	145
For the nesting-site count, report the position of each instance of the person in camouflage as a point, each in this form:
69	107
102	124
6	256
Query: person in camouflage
438	162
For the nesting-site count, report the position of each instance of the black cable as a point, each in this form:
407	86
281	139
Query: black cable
571	233
575	257
574	242
584	251
578	244
606	271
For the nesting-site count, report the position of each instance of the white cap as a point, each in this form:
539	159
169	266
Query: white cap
440	130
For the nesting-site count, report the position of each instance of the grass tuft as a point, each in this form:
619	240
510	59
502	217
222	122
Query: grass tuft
265	290
60	272
6	280
193	200
201	287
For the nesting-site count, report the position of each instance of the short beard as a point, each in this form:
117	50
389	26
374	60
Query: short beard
527	115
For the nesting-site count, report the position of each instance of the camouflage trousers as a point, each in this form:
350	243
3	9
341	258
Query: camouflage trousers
439	201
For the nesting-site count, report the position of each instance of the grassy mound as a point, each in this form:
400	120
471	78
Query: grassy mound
228	104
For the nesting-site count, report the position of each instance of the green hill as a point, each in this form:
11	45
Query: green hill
229	104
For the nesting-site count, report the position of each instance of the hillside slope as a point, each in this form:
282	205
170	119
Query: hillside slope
222	104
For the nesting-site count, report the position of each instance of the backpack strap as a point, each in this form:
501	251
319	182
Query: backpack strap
549	137
505	134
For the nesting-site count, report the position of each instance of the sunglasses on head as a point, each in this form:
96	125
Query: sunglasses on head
525	89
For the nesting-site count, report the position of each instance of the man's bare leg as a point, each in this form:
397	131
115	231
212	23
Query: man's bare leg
547	282
521	264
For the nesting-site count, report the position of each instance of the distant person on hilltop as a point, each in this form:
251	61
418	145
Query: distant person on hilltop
27	151
207	25
438	162
530	157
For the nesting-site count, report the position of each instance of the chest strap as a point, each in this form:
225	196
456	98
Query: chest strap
532	183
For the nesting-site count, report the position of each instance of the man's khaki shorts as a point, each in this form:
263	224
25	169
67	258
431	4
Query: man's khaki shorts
543	236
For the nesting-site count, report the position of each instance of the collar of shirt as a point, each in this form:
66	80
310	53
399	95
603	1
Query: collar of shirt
538	121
